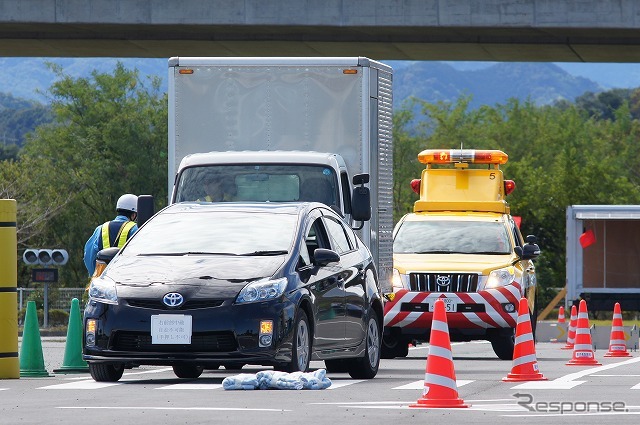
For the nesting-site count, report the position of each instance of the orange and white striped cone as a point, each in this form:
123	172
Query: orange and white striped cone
440	388
583	354
525	363
617	342
571	335
561	318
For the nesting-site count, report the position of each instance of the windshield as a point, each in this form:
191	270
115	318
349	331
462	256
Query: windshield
215	232
443	237
258	182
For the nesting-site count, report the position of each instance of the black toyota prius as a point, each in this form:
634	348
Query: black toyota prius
204	285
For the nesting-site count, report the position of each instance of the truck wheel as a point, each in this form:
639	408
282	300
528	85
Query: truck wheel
367	367
301	350
187	371
393	347
503	342
105	372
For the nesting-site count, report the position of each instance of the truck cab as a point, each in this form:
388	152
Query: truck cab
274	176
462	245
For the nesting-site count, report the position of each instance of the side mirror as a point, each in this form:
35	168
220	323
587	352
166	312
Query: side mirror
145	209
107	254
531	239
361	198
103	258
528	252
323	257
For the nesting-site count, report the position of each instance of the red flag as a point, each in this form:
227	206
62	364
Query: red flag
588	238
517	220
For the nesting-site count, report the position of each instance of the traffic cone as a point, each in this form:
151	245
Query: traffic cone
73	362
571	336
561	318
617	342
31	357
440	388
525	363
583	354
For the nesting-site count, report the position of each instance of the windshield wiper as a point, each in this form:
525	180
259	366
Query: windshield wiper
181	254
441	252
265	253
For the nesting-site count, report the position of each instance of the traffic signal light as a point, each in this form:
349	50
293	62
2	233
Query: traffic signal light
45	257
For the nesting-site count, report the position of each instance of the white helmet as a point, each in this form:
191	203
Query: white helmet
127	202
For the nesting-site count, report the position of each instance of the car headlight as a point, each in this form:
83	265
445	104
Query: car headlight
262	290
397	282
103	290
501	277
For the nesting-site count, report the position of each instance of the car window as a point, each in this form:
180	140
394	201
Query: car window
337	235
220	232
441	236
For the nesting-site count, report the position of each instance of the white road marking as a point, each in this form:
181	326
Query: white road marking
343	383
80	385
564	415
190	387
418	385
567	382
145	372
636	387
235	409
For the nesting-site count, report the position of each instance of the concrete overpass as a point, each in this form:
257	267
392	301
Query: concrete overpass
486	30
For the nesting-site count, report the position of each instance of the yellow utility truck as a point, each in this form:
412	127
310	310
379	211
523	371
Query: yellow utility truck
461	245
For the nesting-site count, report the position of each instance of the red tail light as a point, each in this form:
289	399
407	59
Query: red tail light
509	186
415	185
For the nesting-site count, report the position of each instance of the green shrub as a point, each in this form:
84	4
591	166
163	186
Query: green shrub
58	317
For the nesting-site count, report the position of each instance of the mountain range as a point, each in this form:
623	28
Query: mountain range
488	83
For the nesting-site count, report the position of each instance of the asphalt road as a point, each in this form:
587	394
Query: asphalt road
151	395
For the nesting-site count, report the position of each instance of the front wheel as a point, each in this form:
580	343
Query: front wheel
367	366
106	372
301	350
187	371
503	343
393	347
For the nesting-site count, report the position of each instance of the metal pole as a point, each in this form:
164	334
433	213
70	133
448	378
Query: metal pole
46	306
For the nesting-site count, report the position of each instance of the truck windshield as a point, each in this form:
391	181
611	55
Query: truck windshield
444	237
258	182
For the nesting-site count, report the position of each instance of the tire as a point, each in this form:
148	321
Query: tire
503	342
187	371
392	347
301	349
106	372
367	366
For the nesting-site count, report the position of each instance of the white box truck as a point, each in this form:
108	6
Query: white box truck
603	242
287	129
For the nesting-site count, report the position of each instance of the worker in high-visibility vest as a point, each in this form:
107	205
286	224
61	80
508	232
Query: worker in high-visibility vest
112	233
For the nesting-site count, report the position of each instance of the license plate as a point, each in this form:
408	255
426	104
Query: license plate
170	329
450	305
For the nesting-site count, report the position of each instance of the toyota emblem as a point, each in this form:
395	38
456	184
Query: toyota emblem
443	280
173	299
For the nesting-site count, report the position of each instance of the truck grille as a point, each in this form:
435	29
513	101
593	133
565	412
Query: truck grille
204	342
443	282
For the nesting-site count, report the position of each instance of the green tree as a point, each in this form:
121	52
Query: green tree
558	156
109	137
